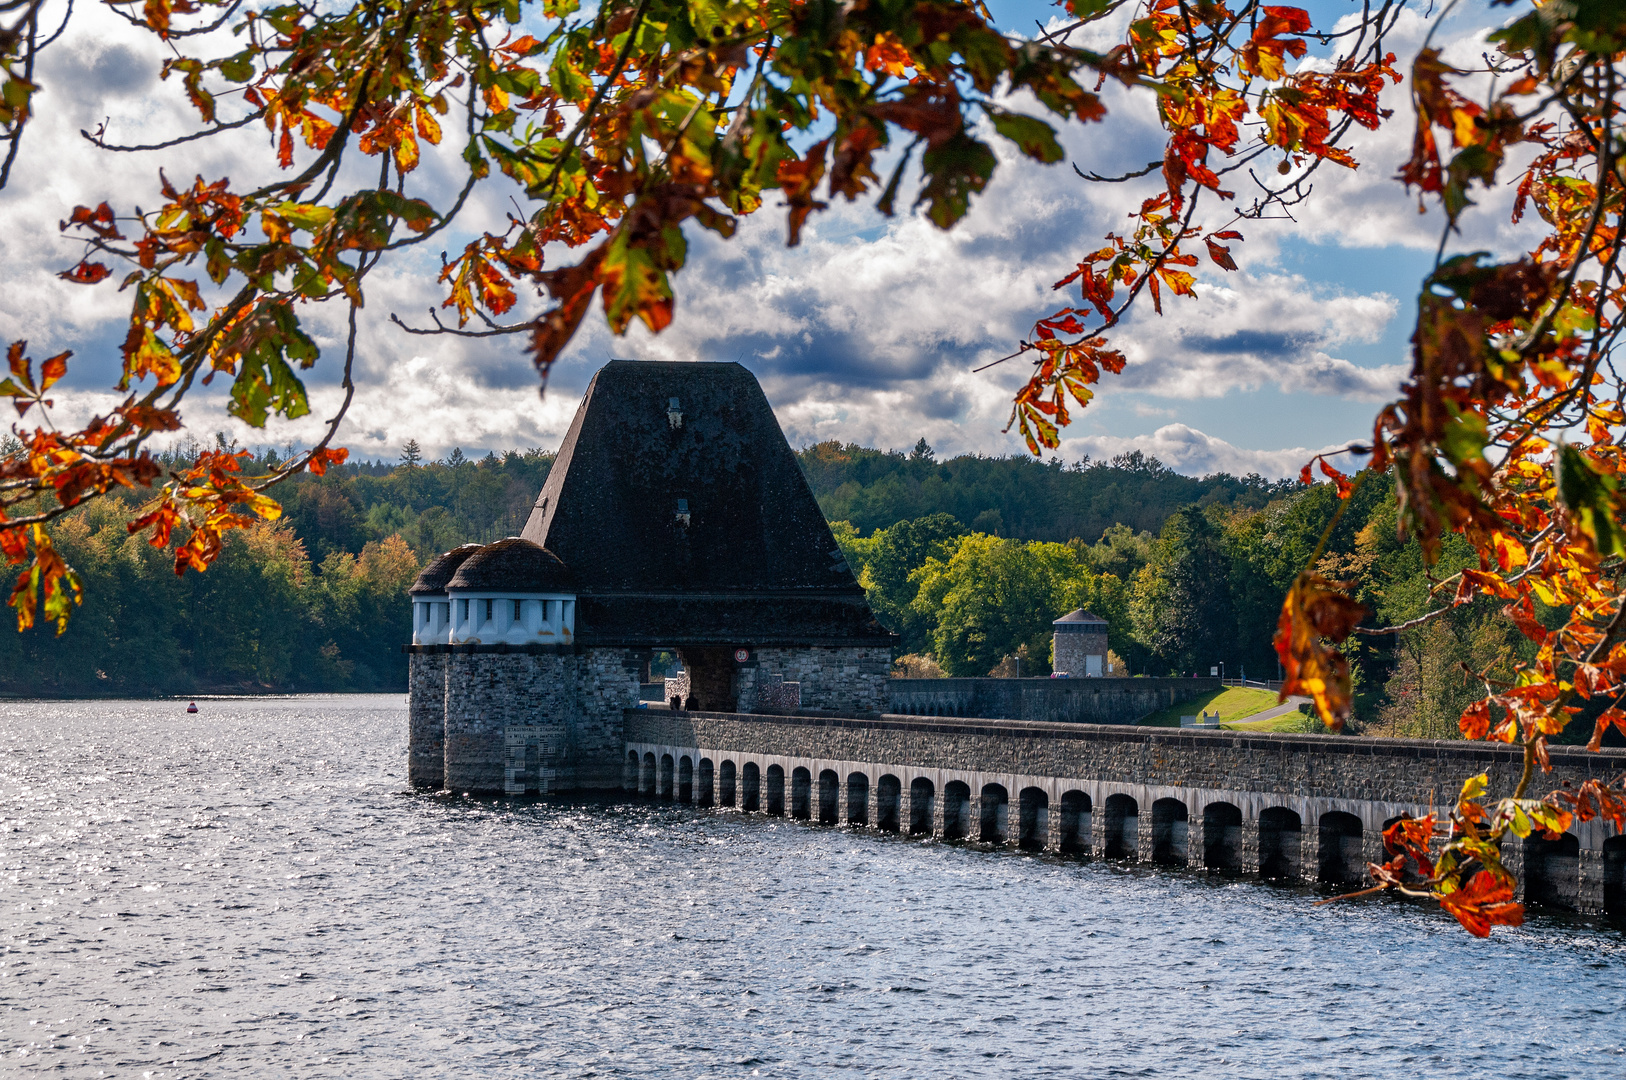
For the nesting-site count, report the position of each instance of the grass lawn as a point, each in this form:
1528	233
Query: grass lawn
1292	723
1233	703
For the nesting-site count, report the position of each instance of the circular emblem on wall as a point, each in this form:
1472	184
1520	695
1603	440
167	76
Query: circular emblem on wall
741	655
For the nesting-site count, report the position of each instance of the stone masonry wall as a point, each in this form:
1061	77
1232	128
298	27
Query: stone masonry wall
1070	649
426	725
486	692
1327	766
846	680
1054	701
462	704
607	686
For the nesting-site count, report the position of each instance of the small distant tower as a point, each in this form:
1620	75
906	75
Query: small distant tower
1080	645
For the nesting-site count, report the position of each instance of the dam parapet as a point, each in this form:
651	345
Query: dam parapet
1057	701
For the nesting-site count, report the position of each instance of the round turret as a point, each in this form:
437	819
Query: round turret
512	592
514	565
431	609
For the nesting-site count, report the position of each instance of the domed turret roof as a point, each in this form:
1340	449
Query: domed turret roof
433	578
513	565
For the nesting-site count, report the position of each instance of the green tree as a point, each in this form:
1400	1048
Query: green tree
895	554
991	597
1182	608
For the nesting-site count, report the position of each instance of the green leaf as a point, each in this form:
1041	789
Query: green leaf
1590	498
1036	138
956	169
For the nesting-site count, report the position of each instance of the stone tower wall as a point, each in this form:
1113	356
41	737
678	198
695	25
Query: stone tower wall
426	731
1071	649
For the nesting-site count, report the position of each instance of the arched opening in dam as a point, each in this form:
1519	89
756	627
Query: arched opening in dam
829	798
801	794
1033	827
1122	825
993	821
1222	837
888	803
727	778
703	783
956	810
858	798
922	802
1074	824
1340	859
1280	844
1552	871
1169	832
773	791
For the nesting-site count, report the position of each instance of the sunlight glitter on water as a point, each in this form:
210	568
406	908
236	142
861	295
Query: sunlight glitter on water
253	890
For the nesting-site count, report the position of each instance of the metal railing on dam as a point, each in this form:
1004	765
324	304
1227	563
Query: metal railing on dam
1289	807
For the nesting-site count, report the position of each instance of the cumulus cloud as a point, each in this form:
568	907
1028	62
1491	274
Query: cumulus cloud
871	331
1187	450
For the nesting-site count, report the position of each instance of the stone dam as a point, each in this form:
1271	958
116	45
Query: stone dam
1283	807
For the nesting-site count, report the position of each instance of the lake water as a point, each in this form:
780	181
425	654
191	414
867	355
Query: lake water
254	891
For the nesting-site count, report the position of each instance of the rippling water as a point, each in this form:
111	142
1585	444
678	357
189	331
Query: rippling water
254	891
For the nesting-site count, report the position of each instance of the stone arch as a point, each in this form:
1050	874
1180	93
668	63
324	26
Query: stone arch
993	819
956	810
727	779
1032	819
773	790
646	776
1614	877
1074	825
829	798
1281	833
664	782
704	783
1170	830
1552	871
801	794
685	779
750	787
1340	858
858	798
1122	828
629	772
888	803
1222	837
922	800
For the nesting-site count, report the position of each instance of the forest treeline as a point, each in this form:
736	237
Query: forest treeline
968	559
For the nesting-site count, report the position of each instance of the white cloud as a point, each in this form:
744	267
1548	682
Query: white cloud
869	332
1187	450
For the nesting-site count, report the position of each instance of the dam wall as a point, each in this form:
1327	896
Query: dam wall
1052	701
1286	807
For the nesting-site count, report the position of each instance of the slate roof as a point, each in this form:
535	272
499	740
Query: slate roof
1079	615
432	579
513	565
689	521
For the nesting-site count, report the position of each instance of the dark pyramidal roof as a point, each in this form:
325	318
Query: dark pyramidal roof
684	516
1079	615
432	579
513	565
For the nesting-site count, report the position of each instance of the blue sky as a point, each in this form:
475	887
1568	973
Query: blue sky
868	332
